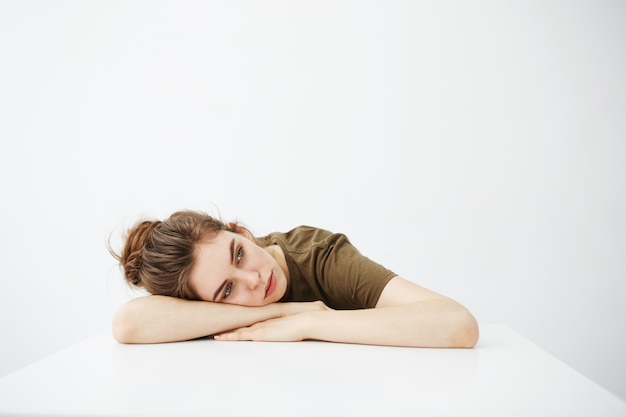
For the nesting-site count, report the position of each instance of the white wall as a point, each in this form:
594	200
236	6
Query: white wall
476	148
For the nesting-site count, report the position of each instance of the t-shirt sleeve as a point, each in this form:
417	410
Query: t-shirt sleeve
349	279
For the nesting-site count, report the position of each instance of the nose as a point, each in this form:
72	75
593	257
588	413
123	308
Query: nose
251	279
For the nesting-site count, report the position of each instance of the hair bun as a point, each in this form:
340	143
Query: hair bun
139	237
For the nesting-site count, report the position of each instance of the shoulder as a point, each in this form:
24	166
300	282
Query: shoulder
304	238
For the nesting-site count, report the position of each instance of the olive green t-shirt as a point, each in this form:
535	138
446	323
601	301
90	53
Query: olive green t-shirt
325	266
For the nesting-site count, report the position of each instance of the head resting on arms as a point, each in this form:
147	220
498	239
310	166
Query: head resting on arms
158	255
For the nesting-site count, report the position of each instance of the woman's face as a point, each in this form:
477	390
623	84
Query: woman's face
233	269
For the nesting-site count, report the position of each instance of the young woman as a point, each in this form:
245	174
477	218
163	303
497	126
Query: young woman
210	278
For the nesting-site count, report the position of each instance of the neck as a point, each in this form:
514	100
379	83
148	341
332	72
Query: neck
277	253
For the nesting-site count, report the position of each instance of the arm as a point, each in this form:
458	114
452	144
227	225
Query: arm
158	319
405	315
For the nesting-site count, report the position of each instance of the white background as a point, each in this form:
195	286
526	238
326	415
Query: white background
476	148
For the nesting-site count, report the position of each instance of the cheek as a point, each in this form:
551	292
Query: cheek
268	259
244	297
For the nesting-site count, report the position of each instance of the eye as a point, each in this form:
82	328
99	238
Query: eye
239	254
228	289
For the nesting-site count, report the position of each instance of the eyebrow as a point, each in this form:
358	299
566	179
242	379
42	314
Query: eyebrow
232	259
232	251
219	290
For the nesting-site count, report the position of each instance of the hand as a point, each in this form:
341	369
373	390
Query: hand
288	309
291	328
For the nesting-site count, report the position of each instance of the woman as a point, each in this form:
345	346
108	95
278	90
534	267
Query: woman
210	278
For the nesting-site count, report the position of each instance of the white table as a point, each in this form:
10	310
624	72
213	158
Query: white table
505	375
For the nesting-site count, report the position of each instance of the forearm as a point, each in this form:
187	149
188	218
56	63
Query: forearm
429	323
158	319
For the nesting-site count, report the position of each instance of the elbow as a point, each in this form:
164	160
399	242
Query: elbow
123	328
467	332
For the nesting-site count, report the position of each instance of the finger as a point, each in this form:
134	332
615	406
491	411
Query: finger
229	336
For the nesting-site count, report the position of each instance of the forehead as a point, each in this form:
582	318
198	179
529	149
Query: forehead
216	249
211	265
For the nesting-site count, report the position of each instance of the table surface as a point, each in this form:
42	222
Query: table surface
505	375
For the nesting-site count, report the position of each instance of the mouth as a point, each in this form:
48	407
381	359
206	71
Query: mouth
271	285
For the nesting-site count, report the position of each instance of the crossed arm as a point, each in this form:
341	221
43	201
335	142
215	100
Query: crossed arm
405	315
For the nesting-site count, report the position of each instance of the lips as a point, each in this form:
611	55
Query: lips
271	285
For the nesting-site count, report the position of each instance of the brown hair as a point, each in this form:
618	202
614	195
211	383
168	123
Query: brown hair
158	255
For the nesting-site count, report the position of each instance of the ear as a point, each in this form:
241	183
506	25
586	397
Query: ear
234	227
